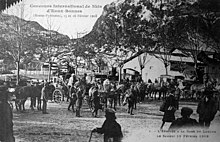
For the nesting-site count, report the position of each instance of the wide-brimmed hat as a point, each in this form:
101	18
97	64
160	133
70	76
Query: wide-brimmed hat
110	113
186	111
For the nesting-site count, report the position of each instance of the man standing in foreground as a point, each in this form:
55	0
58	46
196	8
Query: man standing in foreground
185	121
6	124
44	96
207	108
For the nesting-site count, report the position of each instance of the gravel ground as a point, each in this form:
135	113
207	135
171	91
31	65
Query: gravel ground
61	125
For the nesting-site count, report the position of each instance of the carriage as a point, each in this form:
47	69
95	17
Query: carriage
60	91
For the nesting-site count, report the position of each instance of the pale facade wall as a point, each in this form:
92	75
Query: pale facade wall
154	67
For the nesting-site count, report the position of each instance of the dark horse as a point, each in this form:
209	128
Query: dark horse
22	93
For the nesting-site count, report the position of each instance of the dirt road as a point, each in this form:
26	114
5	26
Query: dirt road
61	125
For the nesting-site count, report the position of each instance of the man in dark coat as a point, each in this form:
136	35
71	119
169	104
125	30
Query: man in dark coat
169	110
207	108
45	92
72	98
6	124
79	95
130	98
110	128
95	101
185	121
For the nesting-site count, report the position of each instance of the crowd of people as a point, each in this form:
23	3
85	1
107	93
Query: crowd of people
77	87
207	108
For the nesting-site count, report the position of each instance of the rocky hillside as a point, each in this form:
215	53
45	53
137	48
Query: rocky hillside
34	39
11	25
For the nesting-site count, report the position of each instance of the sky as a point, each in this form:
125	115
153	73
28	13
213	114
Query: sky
68	17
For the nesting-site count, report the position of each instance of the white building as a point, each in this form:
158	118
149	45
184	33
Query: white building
154	67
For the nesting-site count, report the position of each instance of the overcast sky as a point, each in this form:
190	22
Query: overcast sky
65	16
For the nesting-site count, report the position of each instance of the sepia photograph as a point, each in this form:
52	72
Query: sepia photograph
109	70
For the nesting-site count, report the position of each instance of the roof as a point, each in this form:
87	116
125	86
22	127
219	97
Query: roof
4	4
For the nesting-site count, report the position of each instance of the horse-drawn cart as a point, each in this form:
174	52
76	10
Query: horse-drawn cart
57	95
60	91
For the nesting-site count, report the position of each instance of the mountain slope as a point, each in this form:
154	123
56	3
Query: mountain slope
23	40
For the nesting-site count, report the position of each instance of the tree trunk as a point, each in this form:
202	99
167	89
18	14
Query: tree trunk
166	69
142	72
49	72
18	72
120	75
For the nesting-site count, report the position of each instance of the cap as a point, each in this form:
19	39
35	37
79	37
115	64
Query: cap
186	111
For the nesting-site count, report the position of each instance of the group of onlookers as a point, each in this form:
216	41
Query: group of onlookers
206	109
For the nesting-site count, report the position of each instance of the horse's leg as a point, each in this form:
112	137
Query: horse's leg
17	105
155	94
149	93
159	94
39	103
22	107
135	103
32	103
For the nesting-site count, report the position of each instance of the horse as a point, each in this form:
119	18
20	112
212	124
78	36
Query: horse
140	89
22	93
121	89
65	91
94	99
34	92
196	90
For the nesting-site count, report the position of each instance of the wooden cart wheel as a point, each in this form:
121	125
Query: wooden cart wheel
57	96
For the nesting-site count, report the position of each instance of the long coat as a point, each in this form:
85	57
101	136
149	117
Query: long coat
207	109
45	93
170	109
6	124
79	96
111	129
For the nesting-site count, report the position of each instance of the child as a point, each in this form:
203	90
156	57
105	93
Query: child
170	108
110	128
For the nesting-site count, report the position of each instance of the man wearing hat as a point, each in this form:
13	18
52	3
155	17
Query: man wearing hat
72	80
79	97
185	121
207	108
6	124
44	96
110	128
